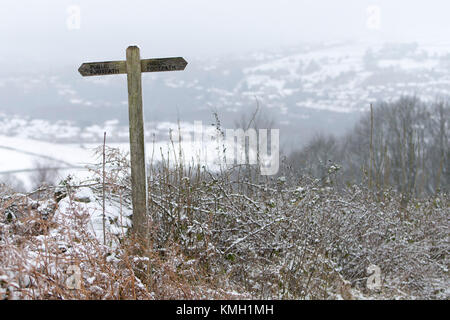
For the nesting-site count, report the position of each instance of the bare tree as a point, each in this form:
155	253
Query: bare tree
404	144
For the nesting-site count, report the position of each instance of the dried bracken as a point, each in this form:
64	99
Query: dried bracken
224	234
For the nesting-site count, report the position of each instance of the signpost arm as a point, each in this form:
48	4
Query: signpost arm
137	147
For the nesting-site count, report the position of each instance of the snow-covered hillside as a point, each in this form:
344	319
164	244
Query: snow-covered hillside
22	154
305	90
291	83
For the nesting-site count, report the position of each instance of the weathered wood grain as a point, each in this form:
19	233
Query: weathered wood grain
102	68
137	146
163	64
120	67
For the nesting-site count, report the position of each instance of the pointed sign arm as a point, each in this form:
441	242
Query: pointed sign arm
120	67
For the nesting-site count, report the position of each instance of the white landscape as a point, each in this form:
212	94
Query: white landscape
285	151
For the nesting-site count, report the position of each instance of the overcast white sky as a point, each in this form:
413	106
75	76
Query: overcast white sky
35	31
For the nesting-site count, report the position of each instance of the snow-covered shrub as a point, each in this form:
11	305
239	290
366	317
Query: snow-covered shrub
295	237
225	234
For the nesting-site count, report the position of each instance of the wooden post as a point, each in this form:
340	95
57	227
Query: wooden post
137	146
133	67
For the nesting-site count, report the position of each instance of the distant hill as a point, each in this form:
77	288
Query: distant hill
304	89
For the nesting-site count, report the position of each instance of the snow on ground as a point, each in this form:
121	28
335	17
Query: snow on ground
24	149
409	64
117	215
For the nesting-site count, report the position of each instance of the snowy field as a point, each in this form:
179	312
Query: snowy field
20	157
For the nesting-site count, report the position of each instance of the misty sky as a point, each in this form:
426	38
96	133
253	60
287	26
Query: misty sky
35	32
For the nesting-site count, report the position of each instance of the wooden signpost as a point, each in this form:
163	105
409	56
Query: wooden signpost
134	67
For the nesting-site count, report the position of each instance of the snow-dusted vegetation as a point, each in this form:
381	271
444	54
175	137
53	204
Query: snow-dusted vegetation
228	233
224	150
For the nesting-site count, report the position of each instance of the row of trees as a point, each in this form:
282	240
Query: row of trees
402	144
